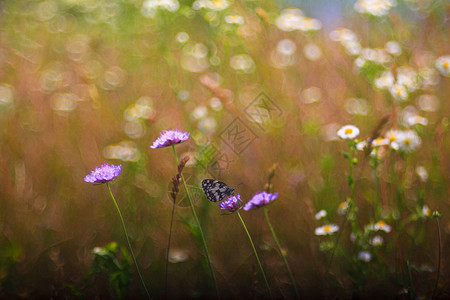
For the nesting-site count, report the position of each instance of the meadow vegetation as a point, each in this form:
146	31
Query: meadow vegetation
332	117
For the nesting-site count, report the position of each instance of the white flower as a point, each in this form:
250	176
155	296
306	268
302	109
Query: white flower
392	135
399	92
428	103
352	47
426	212
309	24
182	37
429	76
199	112
243	63
408	77
348	132
178	255
426	268
352	237
311	94
364	256
326	229
215	104
321	214
234	19
289	19
393	47
378	142
408	140
361	145
376	55
342	34
376	241
443	65
381	225
207	125
215	5
356	106
422	173
414	120
286	47
312	52
342	208
376	8
385	81
150	7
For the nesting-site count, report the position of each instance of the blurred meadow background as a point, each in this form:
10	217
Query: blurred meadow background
261	86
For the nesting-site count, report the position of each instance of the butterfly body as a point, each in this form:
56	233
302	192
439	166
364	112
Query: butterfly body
216	190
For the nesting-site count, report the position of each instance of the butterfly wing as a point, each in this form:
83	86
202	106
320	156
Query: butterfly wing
216	190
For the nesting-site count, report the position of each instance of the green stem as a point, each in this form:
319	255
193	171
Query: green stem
351	205
377	188
344	222
281	252
352	185
439	260
198	224
411	284
168	248
256	254
128	240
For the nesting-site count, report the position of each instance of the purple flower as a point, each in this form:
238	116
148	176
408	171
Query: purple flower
103	174
170	137
260	199
231	204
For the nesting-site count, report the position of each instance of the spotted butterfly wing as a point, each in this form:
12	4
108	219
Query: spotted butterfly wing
216	190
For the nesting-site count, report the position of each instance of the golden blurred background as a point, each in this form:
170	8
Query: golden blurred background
255	83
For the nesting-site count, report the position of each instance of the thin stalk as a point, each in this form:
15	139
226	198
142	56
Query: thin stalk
281	252
344	222
352	185
376	203
411	289
377	188
439	260
198	224
168	248
256	254
128	240
351	204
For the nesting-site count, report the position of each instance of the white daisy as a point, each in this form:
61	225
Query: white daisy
348	132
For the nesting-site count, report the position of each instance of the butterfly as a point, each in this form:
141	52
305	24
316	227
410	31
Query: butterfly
216	190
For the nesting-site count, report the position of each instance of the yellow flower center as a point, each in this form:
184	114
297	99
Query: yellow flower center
391	138
326	228
381	223
348	130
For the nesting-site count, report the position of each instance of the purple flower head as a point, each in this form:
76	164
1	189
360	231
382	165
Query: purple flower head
170	137
260	199
232	203
103	174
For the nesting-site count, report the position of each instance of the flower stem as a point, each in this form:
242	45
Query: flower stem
128	240
439	260
281	252
344	222
198	224
351	203
168	248
256	254
351	182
